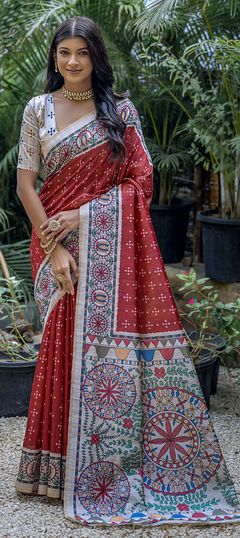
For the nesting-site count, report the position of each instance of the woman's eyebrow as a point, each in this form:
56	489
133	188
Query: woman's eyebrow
66	48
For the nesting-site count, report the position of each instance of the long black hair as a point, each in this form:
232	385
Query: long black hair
102	77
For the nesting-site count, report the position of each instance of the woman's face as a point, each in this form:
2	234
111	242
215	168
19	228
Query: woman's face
74	62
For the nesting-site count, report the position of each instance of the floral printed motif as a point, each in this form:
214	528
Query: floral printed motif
103	488
109	391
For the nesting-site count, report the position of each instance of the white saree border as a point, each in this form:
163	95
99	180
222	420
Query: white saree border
77	362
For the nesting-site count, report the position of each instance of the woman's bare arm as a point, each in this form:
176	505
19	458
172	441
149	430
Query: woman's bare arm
26	182
62	261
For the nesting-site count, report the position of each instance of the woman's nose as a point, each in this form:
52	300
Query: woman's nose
73	61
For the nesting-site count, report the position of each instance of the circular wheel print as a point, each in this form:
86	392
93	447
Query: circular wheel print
101	272
98	324
181	452
103	488
171	440
109	391
103	221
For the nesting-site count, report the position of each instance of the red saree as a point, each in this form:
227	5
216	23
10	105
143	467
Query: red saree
117	423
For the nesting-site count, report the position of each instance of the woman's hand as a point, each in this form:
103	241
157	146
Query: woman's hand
63	263
69	220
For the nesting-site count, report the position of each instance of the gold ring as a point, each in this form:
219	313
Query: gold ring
54	225
62	279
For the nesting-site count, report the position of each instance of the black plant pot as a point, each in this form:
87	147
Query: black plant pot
208	363
207	371
15	386
170	225
221	247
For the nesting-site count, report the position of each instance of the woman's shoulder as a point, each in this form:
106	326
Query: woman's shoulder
127	110
37	103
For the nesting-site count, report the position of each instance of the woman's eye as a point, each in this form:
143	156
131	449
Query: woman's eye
83	52
63	52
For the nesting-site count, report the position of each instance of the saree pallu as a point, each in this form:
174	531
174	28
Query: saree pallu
117	424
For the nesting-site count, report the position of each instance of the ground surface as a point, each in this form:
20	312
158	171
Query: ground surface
36	517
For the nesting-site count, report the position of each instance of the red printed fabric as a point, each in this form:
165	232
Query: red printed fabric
117	424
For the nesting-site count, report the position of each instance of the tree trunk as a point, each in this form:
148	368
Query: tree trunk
237	186
197	244
163	191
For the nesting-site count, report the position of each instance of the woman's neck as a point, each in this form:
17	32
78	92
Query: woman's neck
82	87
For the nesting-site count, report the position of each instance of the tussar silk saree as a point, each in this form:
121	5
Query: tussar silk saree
117	425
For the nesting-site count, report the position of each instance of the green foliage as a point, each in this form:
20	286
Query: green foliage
213	117
210	313
11	307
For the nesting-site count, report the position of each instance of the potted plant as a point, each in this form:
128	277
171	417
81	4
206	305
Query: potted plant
18	351
216	328
185	40
169	154
214	122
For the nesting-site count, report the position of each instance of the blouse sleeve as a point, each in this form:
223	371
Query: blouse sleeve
29	144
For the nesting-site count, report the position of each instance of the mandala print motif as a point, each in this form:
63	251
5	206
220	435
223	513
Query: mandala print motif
101	272
99	323
103	488
171	441
104	221
109	391
181	449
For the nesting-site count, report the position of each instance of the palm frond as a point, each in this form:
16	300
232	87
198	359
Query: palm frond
169	159
4	221
9	161
18	261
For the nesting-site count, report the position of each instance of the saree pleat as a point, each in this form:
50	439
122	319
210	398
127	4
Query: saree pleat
116	401
43	458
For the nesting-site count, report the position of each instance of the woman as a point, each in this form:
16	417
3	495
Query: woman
117	424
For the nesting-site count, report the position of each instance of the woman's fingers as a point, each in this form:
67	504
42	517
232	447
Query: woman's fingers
44	225
68	285
49	234
73	266
62	235
45	228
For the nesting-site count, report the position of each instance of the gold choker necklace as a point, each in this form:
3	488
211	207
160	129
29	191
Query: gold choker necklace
77	96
